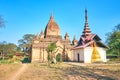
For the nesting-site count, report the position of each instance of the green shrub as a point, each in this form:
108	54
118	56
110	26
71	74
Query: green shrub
6	61
115	59
10	55
0	58
59	58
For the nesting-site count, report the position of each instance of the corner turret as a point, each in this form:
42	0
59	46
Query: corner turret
74	42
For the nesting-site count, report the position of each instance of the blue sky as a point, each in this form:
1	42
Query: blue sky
31	16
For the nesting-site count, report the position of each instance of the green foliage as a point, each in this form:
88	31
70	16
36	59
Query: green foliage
9	61
51	47
51	54
10	55
25	43
113	41
7	49
59	58
115	59
49	57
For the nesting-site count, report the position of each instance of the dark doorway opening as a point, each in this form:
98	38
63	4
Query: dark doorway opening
78	57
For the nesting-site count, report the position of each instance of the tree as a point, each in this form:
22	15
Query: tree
7	49
26	42
113	41
2	49
51	52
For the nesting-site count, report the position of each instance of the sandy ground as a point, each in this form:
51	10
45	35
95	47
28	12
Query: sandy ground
67	71
18	73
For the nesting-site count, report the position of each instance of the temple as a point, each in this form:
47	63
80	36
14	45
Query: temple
50	35
90	48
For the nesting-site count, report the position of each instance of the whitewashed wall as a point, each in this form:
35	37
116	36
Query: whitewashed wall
88	54
81	55
102	52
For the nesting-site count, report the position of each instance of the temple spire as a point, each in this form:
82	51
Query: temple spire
74	42
42	35
51	17
36	37
67	36
86	16
86	30
41	32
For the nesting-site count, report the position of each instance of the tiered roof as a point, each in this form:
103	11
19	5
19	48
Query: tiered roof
86	30
87	38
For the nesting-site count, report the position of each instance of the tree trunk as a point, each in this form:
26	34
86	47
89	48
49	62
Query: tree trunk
54	60
3	57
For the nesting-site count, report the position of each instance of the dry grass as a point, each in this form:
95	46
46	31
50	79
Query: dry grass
40	71
7	70
63	71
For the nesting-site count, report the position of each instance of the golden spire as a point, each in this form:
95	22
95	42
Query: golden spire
95	54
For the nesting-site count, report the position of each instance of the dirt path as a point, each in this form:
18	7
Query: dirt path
19	72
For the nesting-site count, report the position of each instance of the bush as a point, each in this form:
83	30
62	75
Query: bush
10	55
0	58
6	61
59	58
115	59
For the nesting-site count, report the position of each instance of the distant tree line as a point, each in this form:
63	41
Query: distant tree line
7	50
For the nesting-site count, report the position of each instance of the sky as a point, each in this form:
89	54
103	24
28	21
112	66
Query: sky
31	16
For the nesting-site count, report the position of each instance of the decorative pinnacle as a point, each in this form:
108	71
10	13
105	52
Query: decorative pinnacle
66	34
37	37
74	37
86	30
51	17
86	16
41	32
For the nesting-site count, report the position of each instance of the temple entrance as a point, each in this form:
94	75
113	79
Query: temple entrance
78	57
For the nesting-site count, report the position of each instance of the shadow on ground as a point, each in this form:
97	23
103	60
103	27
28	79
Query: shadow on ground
80	72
